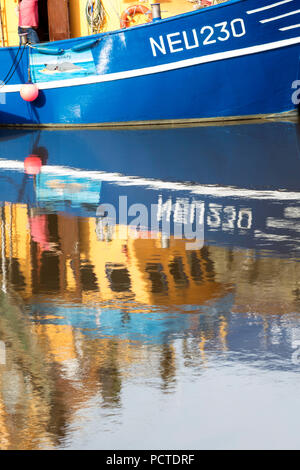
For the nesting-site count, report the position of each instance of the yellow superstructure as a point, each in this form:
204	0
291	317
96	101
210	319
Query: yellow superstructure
80	26
9	17
113	11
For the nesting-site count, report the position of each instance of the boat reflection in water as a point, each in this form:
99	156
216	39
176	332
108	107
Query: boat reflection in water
100	321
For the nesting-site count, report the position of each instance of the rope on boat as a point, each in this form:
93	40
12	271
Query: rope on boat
95	14
13	67
1	26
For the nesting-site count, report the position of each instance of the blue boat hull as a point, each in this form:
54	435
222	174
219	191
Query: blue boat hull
235	60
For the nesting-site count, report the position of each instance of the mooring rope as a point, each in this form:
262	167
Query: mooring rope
13	67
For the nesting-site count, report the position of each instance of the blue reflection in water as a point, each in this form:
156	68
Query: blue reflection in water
104	312
155	327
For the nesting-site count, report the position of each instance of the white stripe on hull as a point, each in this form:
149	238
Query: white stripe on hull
286	28
159	68
267	20
124	180
273	5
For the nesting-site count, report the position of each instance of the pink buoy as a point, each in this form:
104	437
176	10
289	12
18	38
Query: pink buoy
32	165
29	92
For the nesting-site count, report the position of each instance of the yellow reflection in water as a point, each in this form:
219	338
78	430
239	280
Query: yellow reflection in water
53	370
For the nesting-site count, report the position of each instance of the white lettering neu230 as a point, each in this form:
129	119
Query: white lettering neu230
177	42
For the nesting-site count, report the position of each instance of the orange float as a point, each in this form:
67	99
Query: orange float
130	12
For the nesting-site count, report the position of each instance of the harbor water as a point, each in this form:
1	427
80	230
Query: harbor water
150	287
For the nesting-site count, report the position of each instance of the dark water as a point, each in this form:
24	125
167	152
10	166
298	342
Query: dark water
118	333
